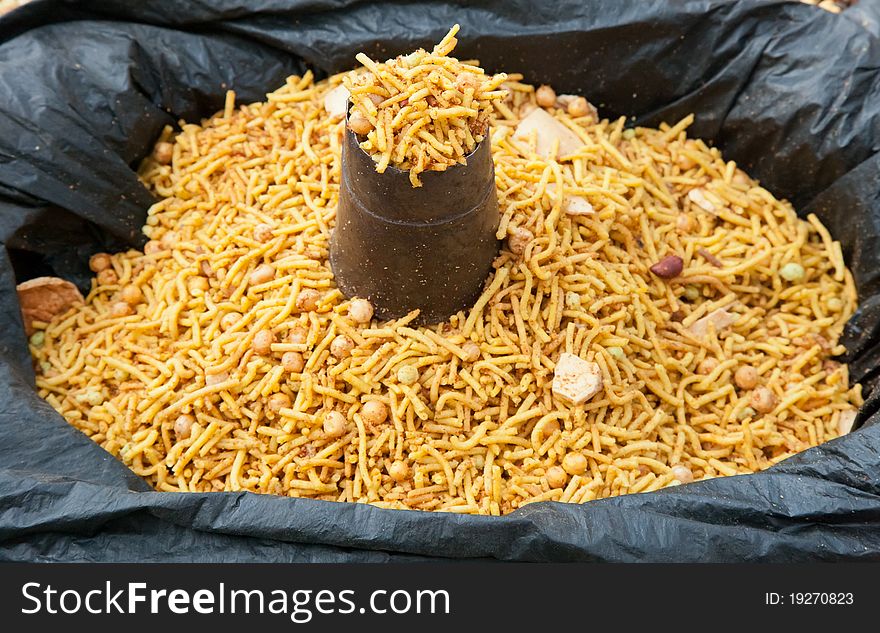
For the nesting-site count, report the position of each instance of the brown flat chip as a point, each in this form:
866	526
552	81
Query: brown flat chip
44	297
720	319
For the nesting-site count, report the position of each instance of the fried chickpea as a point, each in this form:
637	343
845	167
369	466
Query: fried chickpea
359	124
578	107
545	96
707	366
197	284
360	311
740	179
682	473
374	412
307	299
121	309
685	223
574	464
341	346
262	274
263	340
293	362
398	471
297	335
685	162
262	232
132	295
746	377
556	477
518	239
229	319
550	427
471	351
334	424
107	277
152	247
278	401
99	262
183	426
163	152
763	400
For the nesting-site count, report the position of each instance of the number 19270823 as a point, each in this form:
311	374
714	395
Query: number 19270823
807	598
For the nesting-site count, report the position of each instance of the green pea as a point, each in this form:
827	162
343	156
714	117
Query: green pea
615	351
792	272
407	375
691	292
747	412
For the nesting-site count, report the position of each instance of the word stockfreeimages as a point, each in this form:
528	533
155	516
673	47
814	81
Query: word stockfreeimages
300	605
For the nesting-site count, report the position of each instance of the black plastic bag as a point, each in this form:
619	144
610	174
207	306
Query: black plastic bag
787	90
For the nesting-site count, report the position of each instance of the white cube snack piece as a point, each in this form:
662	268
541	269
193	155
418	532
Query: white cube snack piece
698	197
565	99
547	131
336	102
571	204
499	133
576	380
577	205
846	420
720	318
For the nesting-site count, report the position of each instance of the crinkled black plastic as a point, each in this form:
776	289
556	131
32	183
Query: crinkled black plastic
789	91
